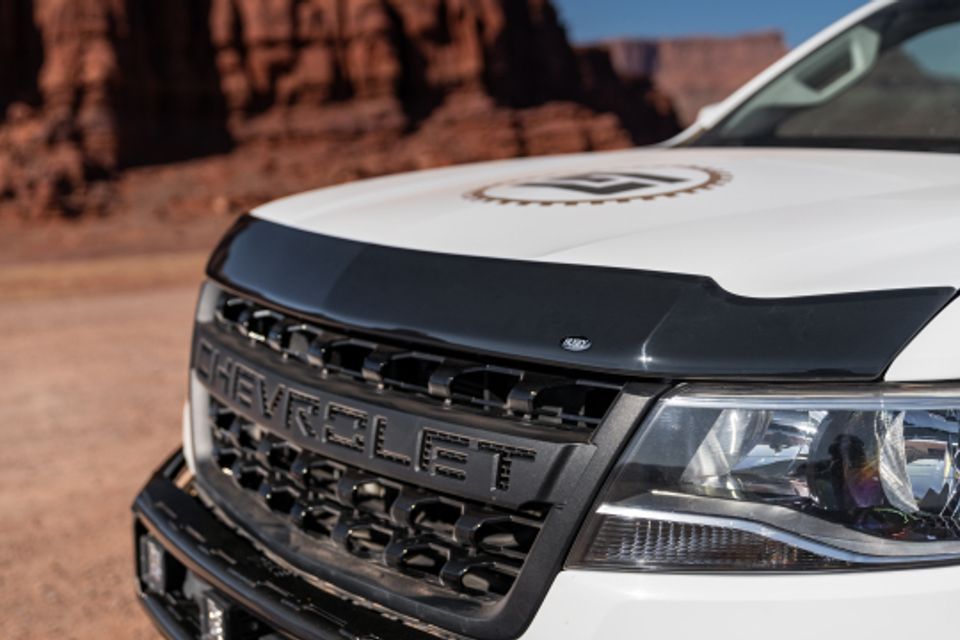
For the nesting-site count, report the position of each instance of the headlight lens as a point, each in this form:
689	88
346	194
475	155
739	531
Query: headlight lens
743	479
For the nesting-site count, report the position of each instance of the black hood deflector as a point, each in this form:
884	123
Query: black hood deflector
640	323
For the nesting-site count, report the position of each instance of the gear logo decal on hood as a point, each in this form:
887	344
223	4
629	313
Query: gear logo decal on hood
601	187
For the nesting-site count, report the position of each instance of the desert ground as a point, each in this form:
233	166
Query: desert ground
93	359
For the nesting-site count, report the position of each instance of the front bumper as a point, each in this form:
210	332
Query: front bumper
580	604
211	557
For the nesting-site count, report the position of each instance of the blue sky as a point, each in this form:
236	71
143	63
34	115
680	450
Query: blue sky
589	20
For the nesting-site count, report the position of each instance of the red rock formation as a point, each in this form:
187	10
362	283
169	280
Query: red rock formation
20	51
121	83
696	72
393	62
637	102
126	83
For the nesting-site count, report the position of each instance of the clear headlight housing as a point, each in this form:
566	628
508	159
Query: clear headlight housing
738	479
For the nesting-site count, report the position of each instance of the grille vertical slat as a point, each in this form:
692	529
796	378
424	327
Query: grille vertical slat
507	392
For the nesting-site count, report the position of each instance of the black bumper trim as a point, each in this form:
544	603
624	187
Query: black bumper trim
165	623
212	551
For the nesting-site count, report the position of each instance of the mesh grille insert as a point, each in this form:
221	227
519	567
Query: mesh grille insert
457	545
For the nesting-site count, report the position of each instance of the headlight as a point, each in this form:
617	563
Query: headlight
745	479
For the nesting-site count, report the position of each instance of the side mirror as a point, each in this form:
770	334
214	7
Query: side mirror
817	78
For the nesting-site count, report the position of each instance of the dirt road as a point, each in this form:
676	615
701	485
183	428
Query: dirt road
93	359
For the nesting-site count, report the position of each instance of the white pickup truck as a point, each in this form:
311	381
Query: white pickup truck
709	389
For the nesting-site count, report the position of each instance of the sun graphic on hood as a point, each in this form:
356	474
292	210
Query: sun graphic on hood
602	186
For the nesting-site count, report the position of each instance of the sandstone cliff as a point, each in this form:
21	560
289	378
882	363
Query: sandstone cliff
89	88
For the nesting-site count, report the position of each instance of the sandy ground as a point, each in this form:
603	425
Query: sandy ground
93	361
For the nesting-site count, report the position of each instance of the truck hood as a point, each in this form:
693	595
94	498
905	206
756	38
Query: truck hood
761	223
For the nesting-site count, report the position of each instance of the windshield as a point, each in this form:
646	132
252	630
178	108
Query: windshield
892	82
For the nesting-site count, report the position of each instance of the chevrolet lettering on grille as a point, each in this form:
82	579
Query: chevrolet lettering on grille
430	451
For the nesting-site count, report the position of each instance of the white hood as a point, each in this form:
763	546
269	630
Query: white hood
761	222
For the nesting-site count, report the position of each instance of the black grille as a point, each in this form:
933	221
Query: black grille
503	391
458	545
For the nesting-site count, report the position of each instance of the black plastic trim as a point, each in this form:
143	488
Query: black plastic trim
165	623
641	323
202	543
244	378
571	490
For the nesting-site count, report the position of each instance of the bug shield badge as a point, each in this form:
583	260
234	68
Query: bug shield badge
576	344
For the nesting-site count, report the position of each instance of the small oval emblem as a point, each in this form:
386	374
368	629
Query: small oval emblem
576	343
